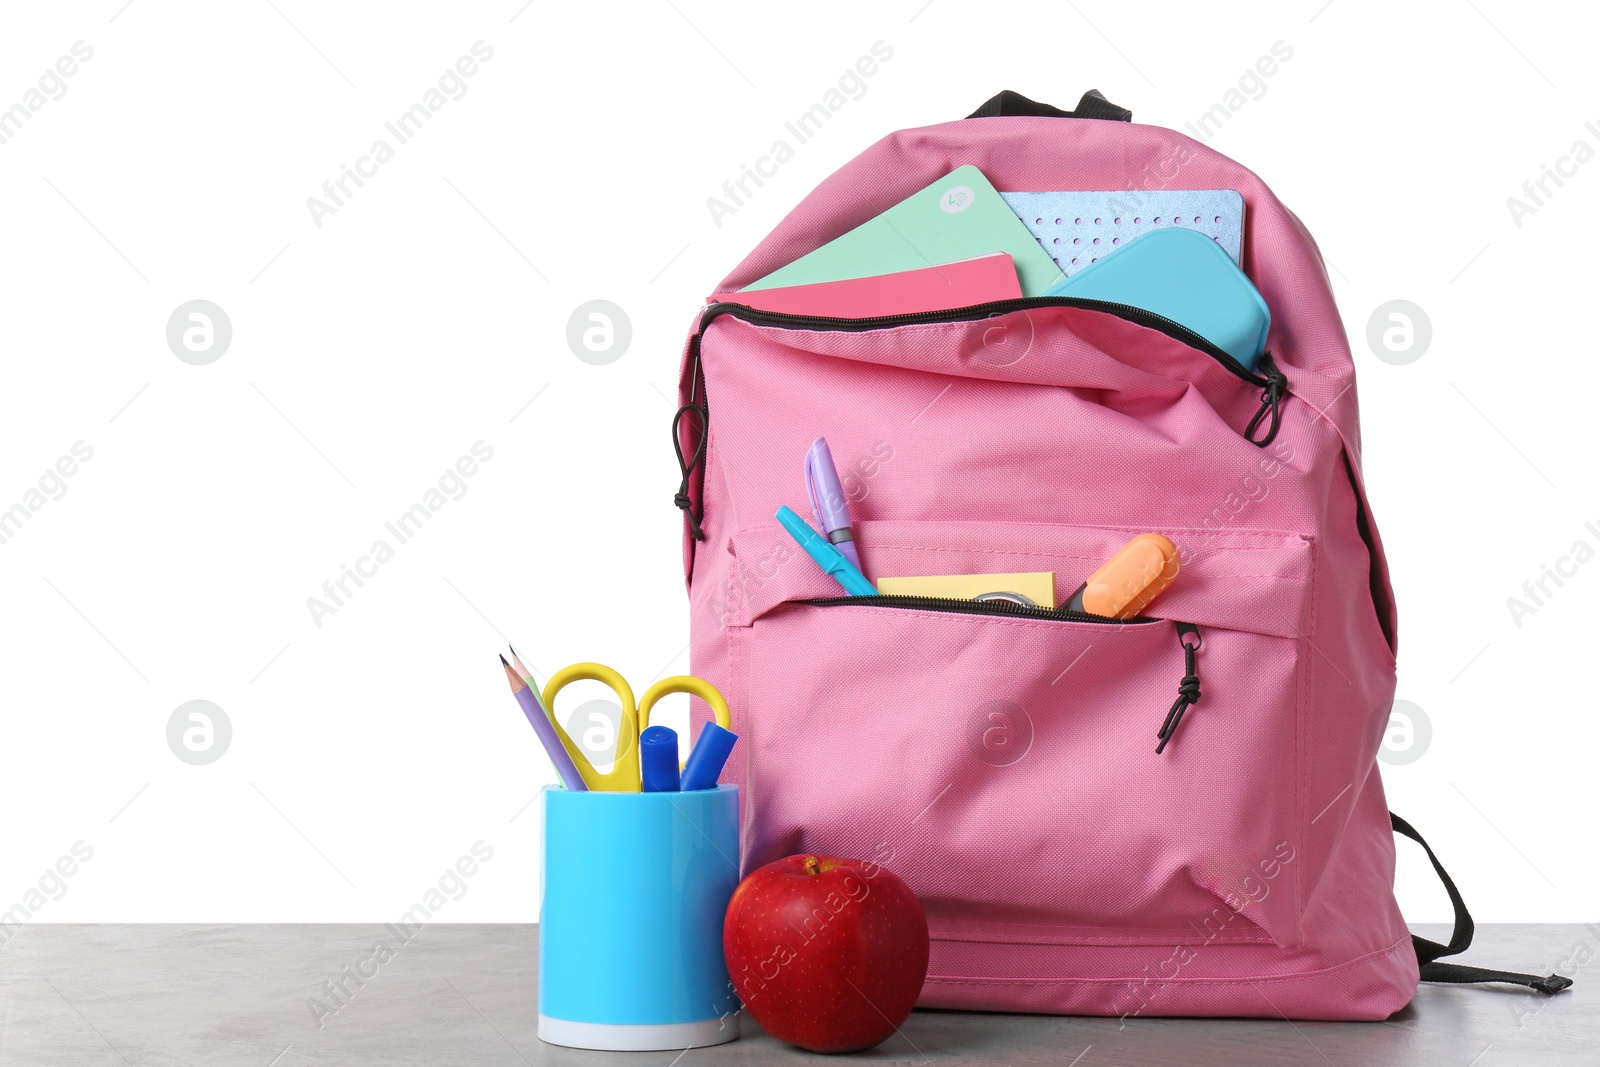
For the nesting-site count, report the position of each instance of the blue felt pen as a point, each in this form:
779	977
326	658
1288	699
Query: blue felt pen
828	557
828	504
658	759
705	761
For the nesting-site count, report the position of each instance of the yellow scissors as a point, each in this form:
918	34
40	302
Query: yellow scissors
623	777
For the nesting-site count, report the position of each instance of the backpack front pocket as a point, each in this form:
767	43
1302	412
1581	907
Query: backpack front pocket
1005	763
1126	384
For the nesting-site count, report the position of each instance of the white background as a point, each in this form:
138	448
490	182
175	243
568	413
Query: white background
371	352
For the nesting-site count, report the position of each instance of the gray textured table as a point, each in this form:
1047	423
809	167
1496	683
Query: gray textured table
221	995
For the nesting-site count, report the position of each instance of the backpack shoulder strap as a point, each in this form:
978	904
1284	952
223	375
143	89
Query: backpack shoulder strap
1428	952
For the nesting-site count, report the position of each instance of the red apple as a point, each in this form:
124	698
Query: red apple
828	954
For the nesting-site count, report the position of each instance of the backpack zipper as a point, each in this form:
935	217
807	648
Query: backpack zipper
971	607
1140	316
1188	636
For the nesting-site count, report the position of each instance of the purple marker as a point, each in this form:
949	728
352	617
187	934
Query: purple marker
828	503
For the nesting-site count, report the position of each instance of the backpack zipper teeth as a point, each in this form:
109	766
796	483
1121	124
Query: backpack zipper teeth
1177	331
953	605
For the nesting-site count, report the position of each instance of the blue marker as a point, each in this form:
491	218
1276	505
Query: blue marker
707	757
828	558
658	759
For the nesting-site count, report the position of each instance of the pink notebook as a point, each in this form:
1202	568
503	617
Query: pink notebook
949	285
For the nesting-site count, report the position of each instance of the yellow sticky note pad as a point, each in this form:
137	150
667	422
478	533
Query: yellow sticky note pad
1037	586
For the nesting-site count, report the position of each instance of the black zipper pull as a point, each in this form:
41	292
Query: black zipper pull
686	465
1188	688
1271	399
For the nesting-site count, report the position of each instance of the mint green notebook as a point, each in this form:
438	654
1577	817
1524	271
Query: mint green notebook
960	216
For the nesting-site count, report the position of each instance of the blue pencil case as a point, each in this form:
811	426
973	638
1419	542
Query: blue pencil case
1186	277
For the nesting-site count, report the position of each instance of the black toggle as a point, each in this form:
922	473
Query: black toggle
1188	687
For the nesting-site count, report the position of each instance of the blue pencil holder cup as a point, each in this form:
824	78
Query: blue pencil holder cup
630	924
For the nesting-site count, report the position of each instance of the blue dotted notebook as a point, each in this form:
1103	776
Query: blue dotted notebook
1078	228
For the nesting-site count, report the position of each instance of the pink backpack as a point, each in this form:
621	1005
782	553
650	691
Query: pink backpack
1003	760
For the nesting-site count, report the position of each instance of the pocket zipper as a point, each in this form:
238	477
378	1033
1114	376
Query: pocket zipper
1189	638
972	607
973	312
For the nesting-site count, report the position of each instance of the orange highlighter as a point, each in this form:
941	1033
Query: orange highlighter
1125	584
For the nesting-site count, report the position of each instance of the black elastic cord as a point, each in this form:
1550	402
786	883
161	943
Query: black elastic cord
682	498
1188	686
1461	937
1007	103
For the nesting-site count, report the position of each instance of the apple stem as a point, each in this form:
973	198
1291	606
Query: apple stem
816	865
